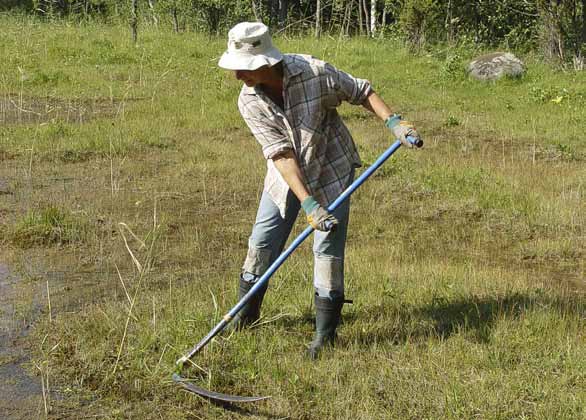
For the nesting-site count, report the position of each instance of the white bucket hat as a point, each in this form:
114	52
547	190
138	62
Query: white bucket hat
249	48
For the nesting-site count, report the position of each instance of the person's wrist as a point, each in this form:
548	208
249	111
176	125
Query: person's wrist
392	121
309	204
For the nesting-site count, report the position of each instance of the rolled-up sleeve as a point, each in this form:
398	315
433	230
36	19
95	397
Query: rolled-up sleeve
271	135
346	87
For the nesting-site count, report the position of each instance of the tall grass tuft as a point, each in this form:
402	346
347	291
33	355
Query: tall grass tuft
47	226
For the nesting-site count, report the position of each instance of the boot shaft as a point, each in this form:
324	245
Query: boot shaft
327	315
251	311
327	318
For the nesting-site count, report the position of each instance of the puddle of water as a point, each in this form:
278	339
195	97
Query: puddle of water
4	189
15	384
6	306
20	394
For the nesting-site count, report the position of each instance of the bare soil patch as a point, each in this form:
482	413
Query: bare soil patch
16	109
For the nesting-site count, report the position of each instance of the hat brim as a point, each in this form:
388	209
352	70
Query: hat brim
247	61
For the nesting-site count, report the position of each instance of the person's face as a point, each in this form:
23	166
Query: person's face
253	77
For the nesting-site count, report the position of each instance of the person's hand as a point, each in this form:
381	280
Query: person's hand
317	216
402	129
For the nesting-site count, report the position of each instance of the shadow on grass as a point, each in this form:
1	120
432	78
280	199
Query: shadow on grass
441	317
474	316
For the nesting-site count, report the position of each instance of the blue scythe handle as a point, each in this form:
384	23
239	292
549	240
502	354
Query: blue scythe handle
275	265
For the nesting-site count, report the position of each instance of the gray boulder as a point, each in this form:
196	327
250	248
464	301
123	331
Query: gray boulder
496	65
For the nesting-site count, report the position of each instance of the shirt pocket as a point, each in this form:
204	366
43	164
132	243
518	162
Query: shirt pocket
313	141
310	126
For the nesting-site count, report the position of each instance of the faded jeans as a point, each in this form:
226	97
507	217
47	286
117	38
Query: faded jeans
270	233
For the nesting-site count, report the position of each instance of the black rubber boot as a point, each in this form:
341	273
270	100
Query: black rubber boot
327	318
251	311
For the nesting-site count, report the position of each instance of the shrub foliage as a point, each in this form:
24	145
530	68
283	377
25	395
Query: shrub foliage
556	27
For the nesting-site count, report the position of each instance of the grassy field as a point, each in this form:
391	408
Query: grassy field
128	188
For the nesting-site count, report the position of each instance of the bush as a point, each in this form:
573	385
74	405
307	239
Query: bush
453	67
419	21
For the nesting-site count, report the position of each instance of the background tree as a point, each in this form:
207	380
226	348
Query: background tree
372	17
318	18
283	12
134	19
562	28
555	28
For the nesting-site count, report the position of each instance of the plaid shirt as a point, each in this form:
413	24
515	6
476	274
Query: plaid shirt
309	125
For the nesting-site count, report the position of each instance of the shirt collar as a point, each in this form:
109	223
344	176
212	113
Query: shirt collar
290	69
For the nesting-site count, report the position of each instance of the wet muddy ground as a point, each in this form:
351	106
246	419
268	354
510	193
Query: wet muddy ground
21	393
19	109
100	195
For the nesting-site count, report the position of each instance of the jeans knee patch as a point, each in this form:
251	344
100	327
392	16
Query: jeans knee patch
329	274
257	260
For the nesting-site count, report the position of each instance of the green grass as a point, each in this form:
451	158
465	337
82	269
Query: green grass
47	226
465	259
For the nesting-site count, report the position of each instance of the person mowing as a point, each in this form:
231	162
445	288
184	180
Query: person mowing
289	103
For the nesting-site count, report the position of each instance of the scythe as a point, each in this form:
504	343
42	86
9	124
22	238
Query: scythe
216	396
